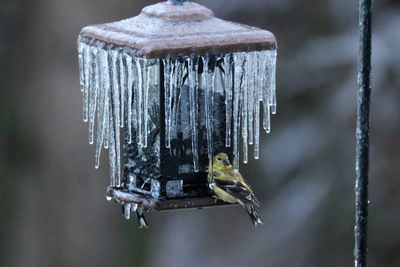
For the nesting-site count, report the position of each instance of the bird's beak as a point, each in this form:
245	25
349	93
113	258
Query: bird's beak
226	162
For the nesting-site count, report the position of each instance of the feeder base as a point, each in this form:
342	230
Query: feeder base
124	197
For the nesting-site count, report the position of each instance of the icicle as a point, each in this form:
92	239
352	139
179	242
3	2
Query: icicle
228	98
256	119
172	88
139	94
107	84
238	80
86	84
123	87
170	98
208	72
177	90
116	146
206	100
258	98
103	62
94	83
273	80
127	211
264	62
129	66
192	77
211	74
244	108
258	74
251	61
146	84
115	121
167	99
112	145
81	64
118	155
115	87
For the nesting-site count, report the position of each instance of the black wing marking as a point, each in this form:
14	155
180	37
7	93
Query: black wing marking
238	190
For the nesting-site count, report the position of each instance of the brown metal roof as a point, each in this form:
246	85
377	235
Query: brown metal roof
165	29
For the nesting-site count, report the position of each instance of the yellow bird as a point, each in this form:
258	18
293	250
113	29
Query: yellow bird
229	186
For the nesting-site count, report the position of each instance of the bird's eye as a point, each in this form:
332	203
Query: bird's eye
219	159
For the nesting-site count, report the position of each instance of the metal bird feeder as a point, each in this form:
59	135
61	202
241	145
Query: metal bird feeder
172	87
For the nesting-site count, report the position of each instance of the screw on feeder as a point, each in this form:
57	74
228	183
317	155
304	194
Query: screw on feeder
182	90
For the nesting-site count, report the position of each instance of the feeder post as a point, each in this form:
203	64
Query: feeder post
362	133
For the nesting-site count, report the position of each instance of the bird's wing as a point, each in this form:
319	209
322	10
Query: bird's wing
238	177
235	187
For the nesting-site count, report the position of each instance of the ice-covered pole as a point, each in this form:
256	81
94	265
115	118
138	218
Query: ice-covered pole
362	133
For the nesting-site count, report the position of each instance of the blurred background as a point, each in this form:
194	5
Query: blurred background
53	210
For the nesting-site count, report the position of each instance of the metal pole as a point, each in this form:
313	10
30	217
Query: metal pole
362	134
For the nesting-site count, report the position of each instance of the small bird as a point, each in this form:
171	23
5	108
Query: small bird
229	186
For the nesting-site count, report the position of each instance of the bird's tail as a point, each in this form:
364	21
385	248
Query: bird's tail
253	214
141	219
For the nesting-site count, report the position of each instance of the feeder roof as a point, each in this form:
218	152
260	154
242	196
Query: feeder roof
165	29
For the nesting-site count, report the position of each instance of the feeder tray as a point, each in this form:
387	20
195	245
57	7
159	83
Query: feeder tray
179	83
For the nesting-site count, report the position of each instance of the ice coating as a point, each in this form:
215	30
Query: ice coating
115	87
167	98
239	60
228	98
193	88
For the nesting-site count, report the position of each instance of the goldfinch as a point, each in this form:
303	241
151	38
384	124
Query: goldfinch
229	186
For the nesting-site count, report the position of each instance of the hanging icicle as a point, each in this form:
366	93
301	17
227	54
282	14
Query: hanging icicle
228	98
193	94
116	93
167	97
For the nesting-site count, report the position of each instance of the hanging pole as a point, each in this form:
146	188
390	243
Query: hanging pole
362	133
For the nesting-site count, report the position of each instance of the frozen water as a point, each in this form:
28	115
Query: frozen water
115	88
167	99
239	59
209	79
94	84
139	94
86	80
244	106
122	84
127	211
129	89
228	98
193	88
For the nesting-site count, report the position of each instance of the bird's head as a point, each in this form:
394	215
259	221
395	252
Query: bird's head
221	160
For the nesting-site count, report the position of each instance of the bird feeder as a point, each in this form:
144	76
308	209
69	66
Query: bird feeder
165	91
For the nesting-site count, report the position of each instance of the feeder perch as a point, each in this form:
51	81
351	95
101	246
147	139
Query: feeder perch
173	86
